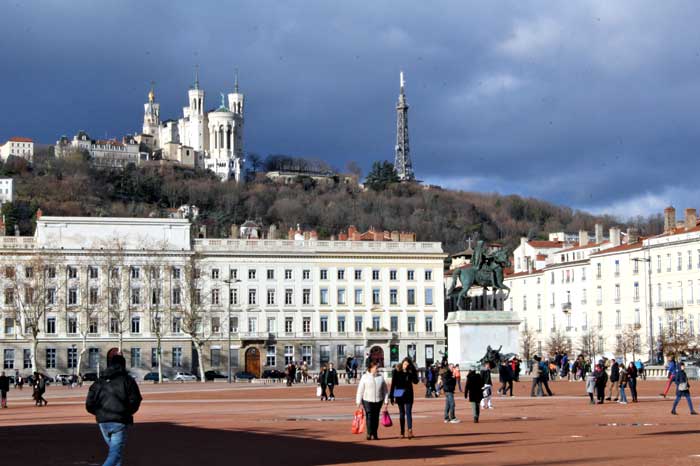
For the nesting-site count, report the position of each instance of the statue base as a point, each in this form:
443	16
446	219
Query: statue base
470	332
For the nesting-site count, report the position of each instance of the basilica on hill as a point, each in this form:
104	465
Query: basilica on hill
211	140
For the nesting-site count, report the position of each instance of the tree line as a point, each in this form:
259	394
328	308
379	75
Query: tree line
71	186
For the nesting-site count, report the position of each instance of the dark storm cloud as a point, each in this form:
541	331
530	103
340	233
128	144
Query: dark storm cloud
590	104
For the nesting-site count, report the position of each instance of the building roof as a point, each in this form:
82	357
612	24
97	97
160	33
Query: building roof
20	139
589	245
620	248
546	244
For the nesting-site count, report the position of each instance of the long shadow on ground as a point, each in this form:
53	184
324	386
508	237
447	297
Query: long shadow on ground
165	443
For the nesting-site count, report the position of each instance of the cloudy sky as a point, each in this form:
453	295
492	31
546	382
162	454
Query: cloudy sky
595	104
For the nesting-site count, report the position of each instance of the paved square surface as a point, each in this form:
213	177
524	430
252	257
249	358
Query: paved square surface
247	424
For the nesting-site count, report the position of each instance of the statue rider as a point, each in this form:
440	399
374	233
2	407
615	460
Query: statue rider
482	260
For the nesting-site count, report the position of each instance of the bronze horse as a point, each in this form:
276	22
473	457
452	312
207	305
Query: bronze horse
488	275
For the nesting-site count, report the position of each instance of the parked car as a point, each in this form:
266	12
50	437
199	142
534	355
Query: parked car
273	374
63	379
184	376
90	377
213	375
153	377
244	376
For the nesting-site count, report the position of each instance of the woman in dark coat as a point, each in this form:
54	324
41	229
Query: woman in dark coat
403	378
473	391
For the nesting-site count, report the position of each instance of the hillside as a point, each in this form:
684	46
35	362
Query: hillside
72	187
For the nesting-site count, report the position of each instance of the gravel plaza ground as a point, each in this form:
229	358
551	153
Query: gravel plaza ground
249	424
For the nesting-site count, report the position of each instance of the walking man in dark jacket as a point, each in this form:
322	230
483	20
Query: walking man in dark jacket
114	399
449	383
473	391
4	388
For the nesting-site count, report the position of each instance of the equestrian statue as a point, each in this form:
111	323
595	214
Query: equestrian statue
486	271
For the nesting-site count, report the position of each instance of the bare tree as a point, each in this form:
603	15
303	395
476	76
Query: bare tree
527	343
629	341
117	290
558	343
194	308
32	288
676	338
89	302
588	341
155	271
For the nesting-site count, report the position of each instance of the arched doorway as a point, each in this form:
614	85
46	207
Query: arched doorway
252	361
376	354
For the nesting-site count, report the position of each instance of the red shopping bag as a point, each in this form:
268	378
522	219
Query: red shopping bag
358	422
386	419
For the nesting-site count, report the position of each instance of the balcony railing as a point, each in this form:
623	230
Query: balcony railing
249	245
671	304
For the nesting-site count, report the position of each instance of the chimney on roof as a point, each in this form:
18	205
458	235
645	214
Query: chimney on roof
395	236
529	261
313	234
272	233
523	241
598	233
235	231
583	238
614	236
39	213
691	218
290	233
669	219
203	231
632	235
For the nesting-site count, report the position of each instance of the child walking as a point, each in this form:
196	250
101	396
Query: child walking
590	386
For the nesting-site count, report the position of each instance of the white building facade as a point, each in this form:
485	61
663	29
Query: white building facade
593	293
113	282
18	147
110	153
7	190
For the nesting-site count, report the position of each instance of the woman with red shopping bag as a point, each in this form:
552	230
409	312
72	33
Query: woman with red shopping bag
372	392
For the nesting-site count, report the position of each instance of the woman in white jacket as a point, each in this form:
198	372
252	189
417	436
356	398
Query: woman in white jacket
372	392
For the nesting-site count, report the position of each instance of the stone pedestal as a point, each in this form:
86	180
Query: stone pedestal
470	332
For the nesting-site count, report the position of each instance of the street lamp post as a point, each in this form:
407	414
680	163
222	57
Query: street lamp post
228	324
649	302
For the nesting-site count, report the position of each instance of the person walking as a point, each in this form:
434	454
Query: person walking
623	384
39	386
614	381
430	381
113	400
536	381
458	376
322	382
449	384
331	381
632	375
403	378
473	391
640	369
487	388
505	375
671	368
682	389
544	377
590	386
4	388
372	392
348	370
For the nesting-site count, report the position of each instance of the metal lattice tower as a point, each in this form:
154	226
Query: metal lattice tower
402	160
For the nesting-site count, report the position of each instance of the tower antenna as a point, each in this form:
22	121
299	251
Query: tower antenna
196	76
235	86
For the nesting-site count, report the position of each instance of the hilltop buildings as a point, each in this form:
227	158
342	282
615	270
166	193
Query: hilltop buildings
18	147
